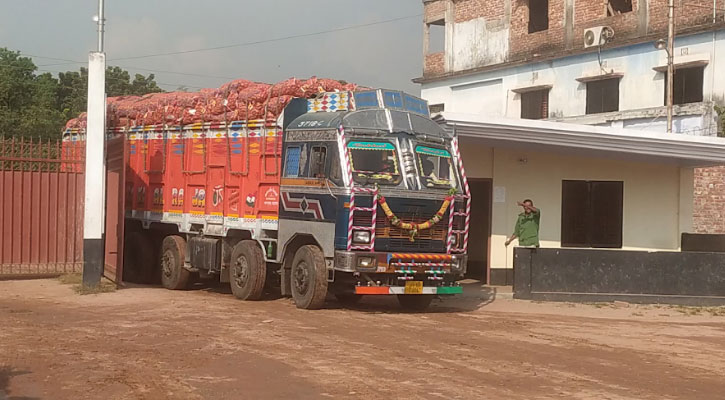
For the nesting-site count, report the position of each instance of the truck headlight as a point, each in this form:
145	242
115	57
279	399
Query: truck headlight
457	264
366	262
361	237
454	240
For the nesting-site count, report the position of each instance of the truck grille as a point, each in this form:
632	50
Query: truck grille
384	229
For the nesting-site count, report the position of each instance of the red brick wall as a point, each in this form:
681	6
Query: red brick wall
591	14
709	210
434	10
434	64
524	45
469	9
687	14
587	13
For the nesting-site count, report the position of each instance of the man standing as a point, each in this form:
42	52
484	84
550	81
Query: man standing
527	225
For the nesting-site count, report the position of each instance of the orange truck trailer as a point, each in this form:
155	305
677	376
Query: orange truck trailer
351	192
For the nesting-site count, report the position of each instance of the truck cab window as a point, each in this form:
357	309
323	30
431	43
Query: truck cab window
374	162
318	157
436	168
292	163
335	169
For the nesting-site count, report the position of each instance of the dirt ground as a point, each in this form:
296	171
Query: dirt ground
150	343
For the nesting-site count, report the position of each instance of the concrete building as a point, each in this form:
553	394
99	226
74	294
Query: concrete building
528	59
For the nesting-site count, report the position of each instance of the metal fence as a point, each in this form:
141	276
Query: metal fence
41	206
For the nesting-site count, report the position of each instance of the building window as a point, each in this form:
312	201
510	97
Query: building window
538	15
687	84
615	7
535	104
591	214
437	108
436	36
603	96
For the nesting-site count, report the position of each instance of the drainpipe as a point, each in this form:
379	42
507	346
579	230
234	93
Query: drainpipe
670	61
712	69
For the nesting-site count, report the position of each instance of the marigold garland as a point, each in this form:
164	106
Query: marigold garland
412	227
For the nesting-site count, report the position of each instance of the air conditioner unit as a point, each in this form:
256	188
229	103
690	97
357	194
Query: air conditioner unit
597	36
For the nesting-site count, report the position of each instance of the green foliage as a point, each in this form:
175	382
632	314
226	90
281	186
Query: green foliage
119	83
72	92
38	105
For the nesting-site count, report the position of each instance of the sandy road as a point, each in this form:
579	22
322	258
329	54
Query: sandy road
149	343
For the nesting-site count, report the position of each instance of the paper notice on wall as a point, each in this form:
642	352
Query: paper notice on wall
499	194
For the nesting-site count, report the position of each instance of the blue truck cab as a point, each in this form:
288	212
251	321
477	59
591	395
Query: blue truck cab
373	200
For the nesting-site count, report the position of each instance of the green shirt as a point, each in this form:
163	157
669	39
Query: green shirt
527	228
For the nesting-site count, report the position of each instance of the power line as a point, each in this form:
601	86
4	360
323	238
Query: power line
176	73
244	44
110	78
685	4
107	77
69	62
272	40
126	67
159	83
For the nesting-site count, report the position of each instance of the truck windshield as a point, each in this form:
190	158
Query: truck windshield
374	162
436	168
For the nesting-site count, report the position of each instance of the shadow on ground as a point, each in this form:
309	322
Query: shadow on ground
474	296
6	373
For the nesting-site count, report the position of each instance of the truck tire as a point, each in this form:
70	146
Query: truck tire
309	278
247	271
173	255
415	302
139	260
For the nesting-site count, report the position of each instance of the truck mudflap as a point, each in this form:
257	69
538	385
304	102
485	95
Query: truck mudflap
410	288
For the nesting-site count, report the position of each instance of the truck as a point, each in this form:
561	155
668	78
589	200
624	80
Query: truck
353	193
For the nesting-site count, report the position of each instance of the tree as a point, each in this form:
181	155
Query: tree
28	103
39	105
42	116
72	92
118	83
16	74
142	85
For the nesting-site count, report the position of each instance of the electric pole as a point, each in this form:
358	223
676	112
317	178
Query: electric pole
670	61
95	170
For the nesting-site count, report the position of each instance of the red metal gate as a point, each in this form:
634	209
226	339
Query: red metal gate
41	206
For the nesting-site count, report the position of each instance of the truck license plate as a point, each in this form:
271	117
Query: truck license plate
414	287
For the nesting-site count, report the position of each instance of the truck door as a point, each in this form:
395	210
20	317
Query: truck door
116	161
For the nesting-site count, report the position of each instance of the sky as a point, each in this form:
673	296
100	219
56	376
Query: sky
382	55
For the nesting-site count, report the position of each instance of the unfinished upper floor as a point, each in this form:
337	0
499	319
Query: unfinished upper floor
622	87
468	36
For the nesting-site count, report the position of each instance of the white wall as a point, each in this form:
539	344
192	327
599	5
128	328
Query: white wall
656	207
641	86
480	98
475	43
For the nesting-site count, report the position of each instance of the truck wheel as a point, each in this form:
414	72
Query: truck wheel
309	278
173	255
415	302
139	262
248	271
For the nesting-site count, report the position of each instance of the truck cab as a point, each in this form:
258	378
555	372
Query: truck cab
378	188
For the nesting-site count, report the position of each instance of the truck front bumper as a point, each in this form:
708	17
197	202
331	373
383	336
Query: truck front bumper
434	264
438	290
